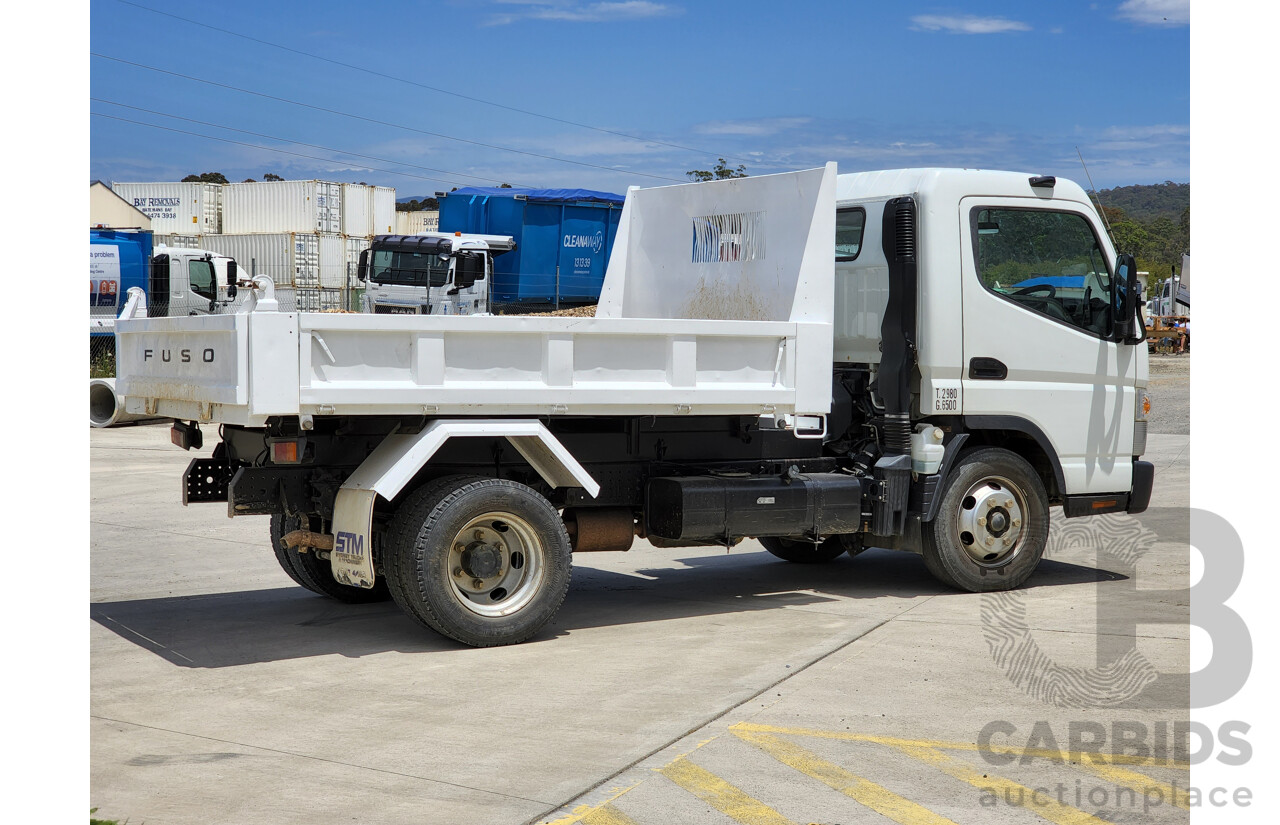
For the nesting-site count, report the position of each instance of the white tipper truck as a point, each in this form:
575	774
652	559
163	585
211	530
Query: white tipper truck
823	362
432	273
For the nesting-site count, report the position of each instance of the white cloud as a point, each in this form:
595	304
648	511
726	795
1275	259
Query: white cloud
1157	12
757	127
966	24
572	12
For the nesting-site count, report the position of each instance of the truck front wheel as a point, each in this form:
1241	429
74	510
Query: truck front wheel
313	573
992	524
483	561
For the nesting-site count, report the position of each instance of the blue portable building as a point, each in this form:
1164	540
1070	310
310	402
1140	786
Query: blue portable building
118	259
563	238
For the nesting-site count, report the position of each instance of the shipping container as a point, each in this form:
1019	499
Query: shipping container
194	208
357	209
367	210
353	248
319	300
300	259
384	210
282	206
176	240
416	223
563	239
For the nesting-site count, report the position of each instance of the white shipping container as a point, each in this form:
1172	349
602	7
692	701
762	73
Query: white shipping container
282	206
368	210
300	259
354	246
415	223
176	240
384	210
318	300
186	208
357	205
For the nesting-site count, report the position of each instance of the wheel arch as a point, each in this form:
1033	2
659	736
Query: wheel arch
1024	438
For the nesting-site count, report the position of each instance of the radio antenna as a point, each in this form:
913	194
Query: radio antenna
1096	196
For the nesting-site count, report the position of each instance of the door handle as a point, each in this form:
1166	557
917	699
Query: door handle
987	369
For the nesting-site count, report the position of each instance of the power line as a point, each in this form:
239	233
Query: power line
298	142
269	148
379	122
437	89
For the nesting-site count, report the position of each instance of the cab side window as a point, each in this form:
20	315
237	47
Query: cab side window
200	274
1047	261
849	225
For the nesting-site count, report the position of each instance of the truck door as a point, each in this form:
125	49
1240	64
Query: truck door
202	289
158	288
1038	350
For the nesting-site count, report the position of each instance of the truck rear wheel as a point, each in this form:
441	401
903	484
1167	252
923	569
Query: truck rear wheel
313	573
800	551
992	524
483	561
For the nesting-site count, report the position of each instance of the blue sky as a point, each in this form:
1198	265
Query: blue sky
668	86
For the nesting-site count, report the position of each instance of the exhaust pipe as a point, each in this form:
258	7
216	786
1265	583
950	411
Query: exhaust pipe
106	409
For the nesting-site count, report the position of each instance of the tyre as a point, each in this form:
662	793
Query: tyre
315	574
801	551
483	561
992	523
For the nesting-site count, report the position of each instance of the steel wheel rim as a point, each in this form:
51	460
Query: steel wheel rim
497	564
991	525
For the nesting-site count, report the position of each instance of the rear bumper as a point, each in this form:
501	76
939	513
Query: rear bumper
1144	477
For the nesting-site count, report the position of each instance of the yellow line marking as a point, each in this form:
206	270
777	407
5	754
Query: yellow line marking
1139	782
1050	809
582	812
719	794
876	797
606	814
1043	753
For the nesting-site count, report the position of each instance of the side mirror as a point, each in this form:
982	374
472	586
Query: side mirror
233	274
1128	327
362	269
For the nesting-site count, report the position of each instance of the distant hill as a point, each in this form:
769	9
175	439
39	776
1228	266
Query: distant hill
1153	223
1146	203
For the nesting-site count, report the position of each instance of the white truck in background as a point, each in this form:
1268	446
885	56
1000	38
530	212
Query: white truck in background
434	273
824	362
177	280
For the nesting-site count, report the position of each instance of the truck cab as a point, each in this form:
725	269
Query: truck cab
187	281
178	281
434	273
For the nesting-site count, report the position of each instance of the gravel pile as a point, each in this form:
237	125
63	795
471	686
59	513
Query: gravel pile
574	312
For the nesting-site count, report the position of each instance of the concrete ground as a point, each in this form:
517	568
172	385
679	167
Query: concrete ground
674	686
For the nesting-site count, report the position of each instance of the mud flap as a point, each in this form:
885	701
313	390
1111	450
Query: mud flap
352	555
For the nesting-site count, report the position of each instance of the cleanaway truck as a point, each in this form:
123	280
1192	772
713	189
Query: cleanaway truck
823	362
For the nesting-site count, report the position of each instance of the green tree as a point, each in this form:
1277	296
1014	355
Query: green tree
271	176
206	177
721	171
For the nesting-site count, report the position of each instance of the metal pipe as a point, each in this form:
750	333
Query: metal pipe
106	409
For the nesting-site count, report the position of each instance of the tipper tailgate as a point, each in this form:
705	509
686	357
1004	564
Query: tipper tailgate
203	359
198	367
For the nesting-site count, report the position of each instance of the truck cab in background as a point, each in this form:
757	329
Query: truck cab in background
178	281
434	273
191	282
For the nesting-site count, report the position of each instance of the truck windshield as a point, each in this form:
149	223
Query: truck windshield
408	268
